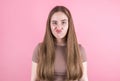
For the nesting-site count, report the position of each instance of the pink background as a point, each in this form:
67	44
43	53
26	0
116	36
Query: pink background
97	25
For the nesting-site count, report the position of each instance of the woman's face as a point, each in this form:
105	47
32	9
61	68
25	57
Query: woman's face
59	25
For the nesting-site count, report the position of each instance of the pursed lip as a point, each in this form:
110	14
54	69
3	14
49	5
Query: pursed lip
58	31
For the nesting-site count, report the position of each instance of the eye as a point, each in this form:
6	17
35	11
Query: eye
55	23
63	22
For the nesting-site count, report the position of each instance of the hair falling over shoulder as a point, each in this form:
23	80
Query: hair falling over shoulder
45	68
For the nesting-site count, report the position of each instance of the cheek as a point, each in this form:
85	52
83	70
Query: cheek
66	28
52	27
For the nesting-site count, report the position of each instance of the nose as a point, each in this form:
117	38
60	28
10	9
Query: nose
59	26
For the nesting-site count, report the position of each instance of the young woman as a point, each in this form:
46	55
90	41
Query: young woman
59	57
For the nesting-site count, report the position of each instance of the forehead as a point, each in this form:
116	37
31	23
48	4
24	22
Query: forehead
59	16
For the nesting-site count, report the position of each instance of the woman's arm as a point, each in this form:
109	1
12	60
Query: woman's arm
85	77
33	71
84	62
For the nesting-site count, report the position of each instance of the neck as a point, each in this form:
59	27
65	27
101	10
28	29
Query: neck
60	42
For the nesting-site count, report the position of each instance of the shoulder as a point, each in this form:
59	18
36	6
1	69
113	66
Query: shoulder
37	46
36	52
81	47
82	52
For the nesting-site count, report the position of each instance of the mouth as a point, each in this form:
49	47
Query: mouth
58	31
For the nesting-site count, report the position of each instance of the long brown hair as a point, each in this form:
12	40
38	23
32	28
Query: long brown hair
45	67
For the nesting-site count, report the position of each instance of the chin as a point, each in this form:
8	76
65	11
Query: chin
59	37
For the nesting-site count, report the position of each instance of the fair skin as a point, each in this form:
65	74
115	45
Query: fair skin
59	28
85	77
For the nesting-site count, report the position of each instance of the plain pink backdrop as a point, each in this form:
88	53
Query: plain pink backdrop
97	25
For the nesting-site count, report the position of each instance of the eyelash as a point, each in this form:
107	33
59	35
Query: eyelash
56	23
63	22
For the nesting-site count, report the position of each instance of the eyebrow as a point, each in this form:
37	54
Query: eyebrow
64	20
61	20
